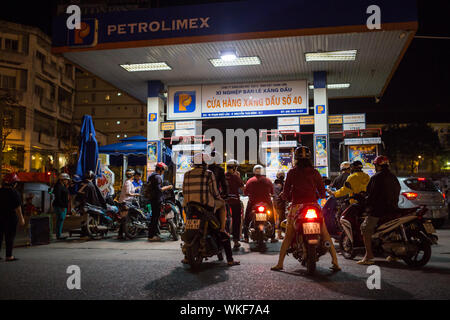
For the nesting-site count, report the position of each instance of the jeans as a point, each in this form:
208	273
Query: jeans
8	226
236	220
153	229
60	217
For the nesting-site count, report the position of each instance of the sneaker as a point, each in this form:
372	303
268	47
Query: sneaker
154	239
236	245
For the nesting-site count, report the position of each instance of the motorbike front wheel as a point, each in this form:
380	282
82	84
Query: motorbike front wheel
193	255
173	230
421	257
311	259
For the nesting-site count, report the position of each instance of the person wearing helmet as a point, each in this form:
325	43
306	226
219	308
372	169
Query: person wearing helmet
199	185
356	182
155	195
259	188
10	213
303	185
342	177
61	202
383	193
278	201
235	183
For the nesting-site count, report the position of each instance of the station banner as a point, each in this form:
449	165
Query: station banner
238	100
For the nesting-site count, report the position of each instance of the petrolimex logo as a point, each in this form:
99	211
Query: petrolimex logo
86	36
184	102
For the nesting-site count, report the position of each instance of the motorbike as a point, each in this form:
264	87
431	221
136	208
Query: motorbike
308	245
168	219
98	220
136	221
260	228
332	212
200	236
404	234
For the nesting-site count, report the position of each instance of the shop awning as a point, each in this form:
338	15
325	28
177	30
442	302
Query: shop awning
133	145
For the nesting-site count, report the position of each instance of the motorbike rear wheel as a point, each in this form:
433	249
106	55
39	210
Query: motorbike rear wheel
193	255
311	259
421	257
91	227
173	230
131	231
346	246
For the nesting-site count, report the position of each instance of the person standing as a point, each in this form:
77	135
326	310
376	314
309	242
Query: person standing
10	213
155	194
61	202
278	202
137	182
235	183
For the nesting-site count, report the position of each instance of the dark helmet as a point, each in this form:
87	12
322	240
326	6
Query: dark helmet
302	152
138	173
89	175
381	160
357	164
10	178
161	166
129	173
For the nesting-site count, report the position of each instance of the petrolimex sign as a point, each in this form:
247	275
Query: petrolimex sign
238	100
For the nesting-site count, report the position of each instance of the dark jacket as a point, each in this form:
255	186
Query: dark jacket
278	186
221	181
303	185
155	184
383	191
340	180
61	195
91	194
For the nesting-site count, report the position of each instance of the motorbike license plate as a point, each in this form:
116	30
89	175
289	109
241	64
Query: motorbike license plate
429	228
193	224
261	217
311	228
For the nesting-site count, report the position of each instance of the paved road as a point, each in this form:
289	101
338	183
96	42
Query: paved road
142	270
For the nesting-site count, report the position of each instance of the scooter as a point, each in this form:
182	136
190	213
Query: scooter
260	228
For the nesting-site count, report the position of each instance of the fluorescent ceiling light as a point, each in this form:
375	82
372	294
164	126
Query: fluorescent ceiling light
152	66
345	55
228	55
334	86
238	61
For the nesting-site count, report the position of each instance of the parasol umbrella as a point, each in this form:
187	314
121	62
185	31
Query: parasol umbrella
88	153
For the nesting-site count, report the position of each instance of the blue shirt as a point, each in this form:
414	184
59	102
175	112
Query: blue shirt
138	185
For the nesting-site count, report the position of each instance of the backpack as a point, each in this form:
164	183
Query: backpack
148	188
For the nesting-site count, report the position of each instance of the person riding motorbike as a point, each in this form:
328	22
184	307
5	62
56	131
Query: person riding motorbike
303	185
199	185
356	182
127	197
278	202
235	183
338	183
259	189
382	200
89	192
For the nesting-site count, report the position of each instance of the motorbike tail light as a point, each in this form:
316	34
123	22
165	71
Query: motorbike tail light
311	214
410	195
261	209
421	179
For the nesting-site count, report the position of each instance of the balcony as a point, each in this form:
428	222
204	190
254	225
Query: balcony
48	104
12	57
50	69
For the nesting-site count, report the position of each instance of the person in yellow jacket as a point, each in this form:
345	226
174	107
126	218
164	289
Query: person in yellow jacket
357	182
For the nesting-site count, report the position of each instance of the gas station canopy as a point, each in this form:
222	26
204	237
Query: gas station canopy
276	36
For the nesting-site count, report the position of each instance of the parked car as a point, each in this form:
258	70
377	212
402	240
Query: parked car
422	191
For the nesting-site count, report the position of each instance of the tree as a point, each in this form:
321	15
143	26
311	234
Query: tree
408	146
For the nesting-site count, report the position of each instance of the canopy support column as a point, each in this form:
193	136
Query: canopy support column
321	138
155	108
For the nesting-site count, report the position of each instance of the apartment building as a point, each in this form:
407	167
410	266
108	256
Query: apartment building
38	126
115	113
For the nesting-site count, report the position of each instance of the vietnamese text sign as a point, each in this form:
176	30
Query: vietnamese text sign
354	118
238	100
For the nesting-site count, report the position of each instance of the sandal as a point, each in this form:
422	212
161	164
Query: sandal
276	268
366	262
233	263
10	260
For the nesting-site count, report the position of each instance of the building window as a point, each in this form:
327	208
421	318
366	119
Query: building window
8	82
38	91
142	123
107	123
52	93
93	111
108	97
93	97
94	83
11	45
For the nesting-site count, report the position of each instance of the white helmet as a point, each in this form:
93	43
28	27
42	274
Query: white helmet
64	176
258	167
345	165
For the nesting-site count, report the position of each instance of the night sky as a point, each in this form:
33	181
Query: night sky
418	91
